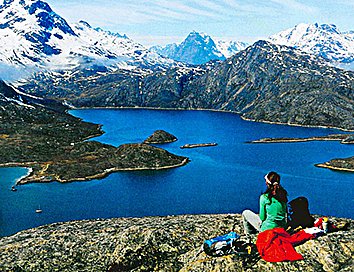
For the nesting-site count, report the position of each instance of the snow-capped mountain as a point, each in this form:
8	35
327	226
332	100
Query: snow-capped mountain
324	40
32	34
230	48
199	48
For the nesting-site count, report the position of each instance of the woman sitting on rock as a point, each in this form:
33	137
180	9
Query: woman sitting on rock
273	208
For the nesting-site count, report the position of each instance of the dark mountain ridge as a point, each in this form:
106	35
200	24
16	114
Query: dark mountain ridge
274	83
265	82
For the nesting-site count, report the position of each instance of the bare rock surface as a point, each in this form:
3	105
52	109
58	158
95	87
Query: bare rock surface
169	243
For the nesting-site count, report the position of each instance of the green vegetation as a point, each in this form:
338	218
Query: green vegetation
52	143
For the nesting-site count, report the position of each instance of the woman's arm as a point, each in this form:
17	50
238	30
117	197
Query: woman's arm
262	208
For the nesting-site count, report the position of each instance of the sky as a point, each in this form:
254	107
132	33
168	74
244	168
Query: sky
152	22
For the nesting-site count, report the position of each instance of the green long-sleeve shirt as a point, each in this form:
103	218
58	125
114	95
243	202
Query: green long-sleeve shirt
272	213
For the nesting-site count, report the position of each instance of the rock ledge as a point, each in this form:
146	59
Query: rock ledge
167	243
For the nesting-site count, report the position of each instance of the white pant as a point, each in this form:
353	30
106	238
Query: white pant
251	222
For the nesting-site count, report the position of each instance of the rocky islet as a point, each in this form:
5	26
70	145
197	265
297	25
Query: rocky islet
160	137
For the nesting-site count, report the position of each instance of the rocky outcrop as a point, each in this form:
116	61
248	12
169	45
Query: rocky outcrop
169	243
160	137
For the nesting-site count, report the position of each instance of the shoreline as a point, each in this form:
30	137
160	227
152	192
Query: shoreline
330	137
198	145
334	168
29	171
105	173
165	142
211	110
41	178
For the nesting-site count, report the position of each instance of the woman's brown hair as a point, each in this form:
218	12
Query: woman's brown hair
274	189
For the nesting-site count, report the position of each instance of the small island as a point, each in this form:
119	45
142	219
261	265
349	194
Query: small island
160	137
198	145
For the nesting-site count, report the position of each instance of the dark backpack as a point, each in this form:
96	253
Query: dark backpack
299	215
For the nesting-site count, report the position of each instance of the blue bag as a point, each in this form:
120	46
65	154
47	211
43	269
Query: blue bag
221	245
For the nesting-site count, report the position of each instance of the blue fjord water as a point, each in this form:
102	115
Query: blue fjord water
223	179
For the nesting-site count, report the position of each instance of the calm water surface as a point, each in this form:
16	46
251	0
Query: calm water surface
221	179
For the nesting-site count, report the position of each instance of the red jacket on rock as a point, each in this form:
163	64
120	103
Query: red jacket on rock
276	245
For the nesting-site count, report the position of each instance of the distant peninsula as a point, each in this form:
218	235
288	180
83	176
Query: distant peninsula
343	138
40	135
346	164
343	164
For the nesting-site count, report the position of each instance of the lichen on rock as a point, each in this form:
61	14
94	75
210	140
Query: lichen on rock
170	243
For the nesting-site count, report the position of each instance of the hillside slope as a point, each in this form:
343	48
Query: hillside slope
265	82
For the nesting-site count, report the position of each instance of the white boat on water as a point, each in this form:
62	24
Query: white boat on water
39	210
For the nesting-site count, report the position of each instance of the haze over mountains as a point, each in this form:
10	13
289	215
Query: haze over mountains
325	41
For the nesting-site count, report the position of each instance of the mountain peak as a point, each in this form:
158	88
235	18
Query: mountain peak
32	34
38	6
26	12
199	48
330	28
84	23
31	5
198	34
199	37
324	40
